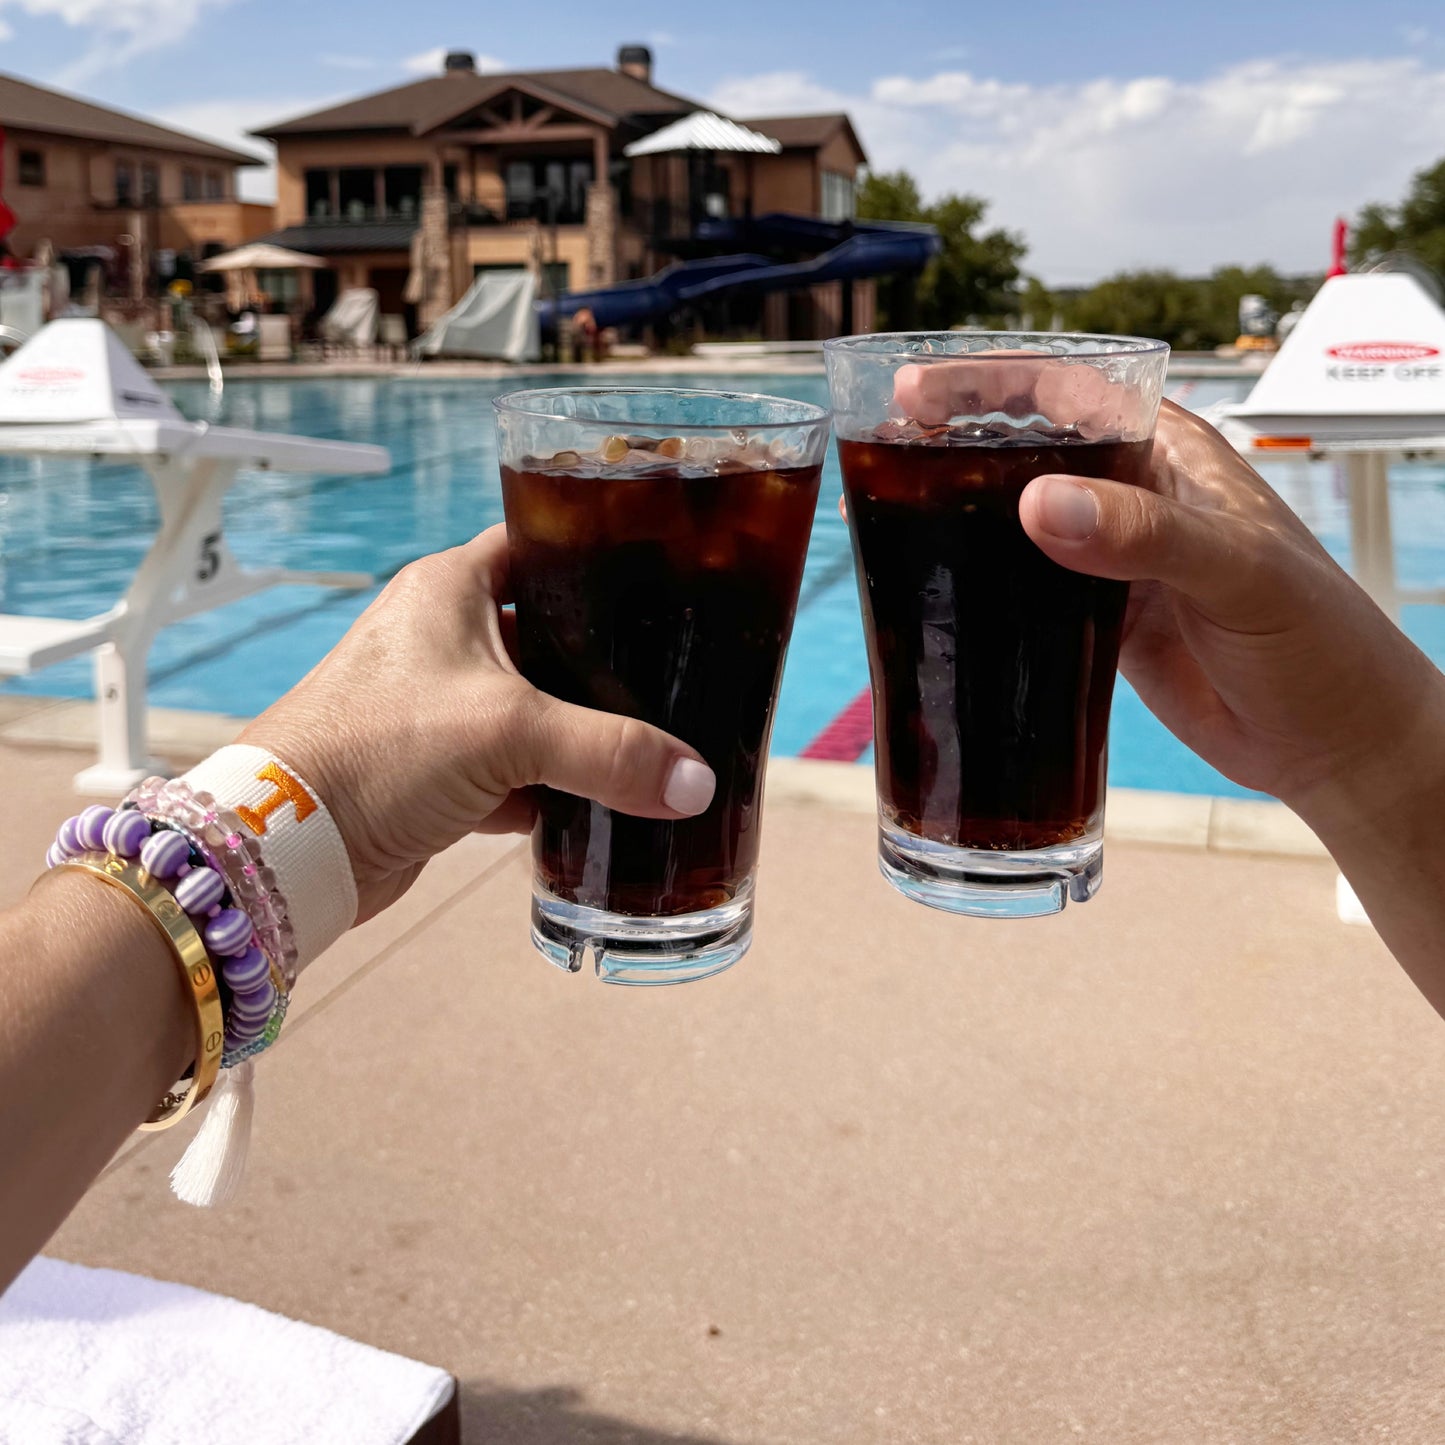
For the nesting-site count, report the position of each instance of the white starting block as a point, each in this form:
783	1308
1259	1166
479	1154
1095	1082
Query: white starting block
74	390
1361	377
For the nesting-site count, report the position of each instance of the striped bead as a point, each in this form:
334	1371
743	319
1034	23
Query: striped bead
163	853
257	1004
56	856
246	973
90	827
68	838
200	890
228	932
125	833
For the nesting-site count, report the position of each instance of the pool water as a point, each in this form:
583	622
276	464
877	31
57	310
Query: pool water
73	531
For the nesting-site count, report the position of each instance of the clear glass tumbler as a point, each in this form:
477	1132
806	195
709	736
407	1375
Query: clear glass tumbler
657	542
992	666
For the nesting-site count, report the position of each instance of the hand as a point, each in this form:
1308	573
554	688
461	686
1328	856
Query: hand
1243	636
418	729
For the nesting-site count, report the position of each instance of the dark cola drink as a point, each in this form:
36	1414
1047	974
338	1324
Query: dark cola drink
661	585
993	667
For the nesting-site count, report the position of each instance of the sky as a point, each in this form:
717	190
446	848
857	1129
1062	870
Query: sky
1110	135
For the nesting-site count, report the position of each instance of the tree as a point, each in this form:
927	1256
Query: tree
1191	314
1416	225
975	277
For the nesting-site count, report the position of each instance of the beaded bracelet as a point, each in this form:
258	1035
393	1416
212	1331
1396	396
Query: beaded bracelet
179	930
232	850
252	990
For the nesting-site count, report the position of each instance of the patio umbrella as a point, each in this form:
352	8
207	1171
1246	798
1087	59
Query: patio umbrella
245	261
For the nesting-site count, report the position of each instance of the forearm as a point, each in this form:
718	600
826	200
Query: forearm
94	1028
1382	822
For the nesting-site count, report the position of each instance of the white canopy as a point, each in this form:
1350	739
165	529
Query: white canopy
260	256
1363	366
704	131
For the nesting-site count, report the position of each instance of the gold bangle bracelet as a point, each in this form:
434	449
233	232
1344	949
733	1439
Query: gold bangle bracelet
197	972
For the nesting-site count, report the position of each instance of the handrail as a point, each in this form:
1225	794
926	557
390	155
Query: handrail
205	340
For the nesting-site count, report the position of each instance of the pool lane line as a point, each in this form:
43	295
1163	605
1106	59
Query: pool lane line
848	736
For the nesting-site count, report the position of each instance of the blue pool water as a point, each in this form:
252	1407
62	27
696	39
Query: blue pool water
73	532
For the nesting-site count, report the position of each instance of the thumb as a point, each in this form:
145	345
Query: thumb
617	761
1111	529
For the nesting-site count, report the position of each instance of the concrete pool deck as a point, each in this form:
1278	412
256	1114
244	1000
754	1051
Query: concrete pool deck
1162	1169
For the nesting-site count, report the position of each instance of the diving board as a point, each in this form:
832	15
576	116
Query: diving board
74	390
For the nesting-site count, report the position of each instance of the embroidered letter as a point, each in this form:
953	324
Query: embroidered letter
288	790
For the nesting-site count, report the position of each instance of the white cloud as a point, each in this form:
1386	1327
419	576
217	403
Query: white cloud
117	30
1251	163
430	62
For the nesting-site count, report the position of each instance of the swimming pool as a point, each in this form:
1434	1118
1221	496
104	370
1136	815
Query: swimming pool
73	531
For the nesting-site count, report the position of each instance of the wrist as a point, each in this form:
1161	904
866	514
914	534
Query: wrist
136	997
1389	786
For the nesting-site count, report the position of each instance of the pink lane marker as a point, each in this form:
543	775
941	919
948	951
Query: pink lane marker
847	737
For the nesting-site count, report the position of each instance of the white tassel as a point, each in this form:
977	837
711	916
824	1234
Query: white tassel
210	1170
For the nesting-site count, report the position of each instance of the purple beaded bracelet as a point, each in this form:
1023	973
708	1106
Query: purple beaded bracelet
232	850
252	1002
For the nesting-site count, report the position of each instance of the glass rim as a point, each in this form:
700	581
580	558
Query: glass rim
890	344
524	403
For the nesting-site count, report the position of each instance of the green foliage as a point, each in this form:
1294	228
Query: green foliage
1416	226
1191	314
974	279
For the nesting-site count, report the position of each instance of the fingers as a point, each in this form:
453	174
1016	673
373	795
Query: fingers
1110	529
618	761
1066	392
485	558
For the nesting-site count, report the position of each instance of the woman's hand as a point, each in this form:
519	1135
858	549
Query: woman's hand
1243	636
418	729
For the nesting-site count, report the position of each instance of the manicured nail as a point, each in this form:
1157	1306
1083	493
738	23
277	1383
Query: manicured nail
690	786
1067	510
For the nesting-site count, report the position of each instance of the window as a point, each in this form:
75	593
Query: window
31	170
358	192
214	187
318	194
150	185
402	189
124	183
839	197
550	190
190	185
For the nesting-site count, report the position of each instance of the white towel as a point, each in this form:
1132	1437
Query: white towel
97	1357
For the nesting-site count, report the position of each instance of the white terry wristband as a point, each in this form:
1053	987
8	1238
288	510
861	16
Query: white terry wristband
296	836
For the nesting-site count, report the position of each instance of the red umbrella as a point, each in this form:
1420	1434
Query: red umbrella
1337	262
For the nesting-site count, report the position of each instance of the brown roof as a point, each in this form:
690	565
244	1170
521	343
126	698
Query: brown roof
804	131
33	107
609	96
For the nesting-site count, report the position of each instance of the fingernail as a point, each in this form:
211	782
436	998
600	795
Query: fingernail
1067	511
690	786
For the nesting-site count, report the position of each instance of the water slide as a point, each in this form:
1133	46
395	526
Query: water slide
856	250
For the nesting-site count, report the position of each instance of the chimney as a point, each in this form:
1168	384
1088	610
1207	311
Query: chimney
636	61
460	60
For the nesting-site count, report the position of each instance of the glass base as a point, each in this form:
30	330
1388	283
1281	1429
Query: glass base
987	884
626	949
